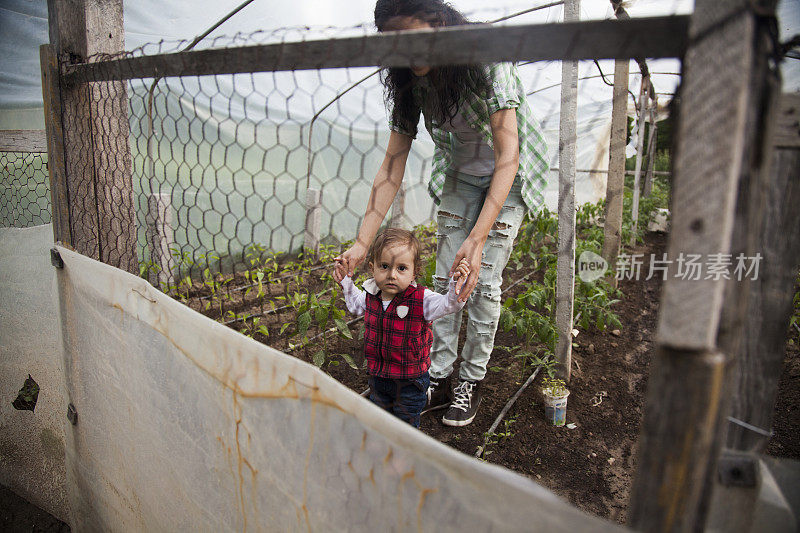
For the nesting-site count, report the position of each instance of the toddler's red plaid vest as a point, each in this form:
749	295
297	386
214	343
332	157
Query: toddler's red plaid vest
397	348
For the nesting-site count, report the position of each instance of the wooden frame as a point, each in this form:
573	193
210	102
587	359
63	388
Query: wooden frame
604	39
28	141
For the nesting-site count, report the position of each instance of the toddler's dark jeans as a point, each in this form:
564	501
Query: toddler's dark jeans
405	398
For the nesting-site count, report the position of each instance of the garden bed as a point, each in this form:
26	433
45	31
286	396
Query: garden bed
294	305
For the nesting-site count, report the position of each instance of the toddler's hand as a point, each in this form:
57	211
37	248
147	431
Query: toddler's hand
462	273
339	270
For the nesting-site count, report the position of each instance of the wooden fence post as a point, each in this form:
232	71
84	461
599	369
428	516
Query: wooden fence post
51	97
640	129
313	220
756	313
651	148
565	262
615	186
759	358
717	134
160	237
97	157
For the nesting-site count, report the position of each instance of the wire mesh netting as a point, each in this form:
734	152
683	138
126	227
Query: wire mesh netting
224	164
24	190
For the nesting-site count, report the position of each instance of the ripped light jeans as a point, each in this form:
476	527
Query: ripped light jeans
462	200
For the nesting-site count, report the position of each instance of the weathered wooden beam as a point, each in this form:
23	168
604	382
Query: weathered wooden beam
651	149
640	129
565	260
96	131
776	238
598	39
311	236
787	127
51	98
615	186
720	123
160	238
27	141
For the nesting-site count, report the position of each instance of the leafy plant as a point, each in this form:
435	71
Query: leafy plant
428	271
593	301
530	314
249	328
148	267
553	386
506	432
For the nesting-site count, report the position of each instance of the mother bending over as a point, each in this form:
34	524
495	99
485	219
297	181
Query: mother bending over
489	167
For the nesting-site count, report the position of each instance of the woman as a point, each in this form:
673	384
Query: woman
489	166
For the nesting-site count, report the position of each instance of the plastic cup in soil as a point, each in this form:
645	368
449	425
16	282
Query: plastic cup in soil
555	408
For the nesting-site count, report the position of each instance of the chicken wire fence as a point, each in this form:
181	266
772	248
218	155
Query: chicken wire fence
225	164
192	160
24	190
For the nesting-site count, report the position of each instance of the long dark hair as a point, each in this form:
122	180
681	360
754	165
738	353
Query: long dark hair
448	83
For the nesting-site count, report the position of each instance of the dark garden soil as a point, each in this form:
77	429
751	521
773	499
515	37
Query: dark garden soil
591	465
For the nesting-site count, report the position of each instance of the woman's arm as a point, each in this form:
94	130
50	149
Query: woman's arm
506	164
384	188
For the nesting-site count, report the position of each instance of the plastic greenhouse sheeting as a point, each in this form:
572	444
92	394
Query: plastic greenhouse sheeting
31	442
184	424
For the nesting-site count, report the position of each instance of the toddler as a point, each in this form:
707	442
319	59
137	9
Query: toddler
397	315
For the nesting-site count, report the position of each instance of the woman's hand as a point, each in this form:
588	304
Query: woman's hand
347	262
471	252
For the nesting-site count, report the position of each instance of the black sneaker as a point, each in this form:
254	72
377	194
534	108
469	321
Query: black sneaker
466	399
440	393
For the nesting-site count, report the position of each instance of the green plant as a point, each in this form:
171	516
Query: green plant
535	234
148	267
658	198
553	386
428	271
249	328
323	312
588	214
530	313
506	432
593	301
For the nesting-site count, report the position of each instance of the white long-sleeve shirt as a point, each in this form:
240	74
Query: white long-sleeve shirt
434	305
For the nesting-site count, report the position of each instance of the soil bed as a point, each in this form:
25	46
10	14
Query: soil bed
591	465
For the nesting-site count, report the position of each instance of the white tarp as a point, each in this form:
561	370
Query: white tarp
186	425
31	442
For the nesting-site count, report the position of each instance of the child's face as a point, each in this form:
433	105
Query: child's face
394	271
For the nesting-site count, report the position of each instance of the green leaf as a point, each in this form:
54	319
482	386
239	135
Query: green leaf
283	328
321	314
303	322
349	360
263	330
343	328
319	358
